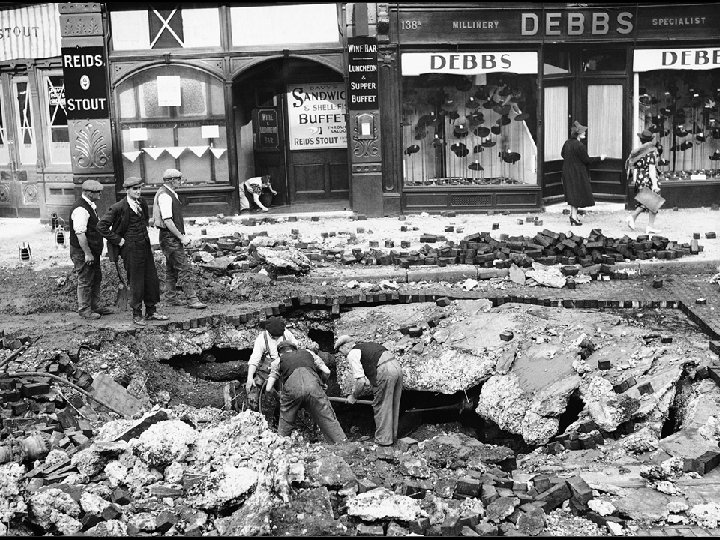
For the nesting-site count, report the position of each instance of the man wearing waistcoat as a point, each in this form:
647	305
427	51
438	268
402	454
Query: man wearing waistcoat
167	216
373	364
86	246
125	227
298	371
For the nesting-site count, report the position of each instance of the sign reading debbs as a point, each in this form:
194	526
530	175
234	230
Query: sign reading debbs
85	74
469	63
316	116
695	59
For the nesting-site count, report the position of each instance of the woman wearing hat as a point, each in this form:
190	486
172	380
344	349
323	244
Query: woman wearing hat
642	163
575	174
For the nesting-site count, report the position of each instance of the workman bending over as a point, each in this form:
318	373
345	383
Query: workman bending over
373	364
299	371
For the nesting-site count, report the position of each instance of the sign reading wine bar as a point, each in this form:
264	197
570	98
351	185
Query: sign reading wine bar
362	73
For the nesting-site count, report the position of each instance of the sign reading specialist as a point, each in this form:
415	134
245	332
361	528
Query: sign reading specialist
85	75
363	75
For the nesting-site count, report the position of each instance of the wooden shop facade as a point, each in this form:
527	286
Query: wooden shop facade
385	108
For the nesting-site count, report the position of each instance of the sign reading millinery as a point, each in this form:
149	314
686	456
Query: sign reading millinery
267	129
85	75
316	116
363	75
654	59
469	63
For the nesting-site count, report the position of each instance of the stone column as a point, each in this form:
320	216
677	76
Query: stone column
86	79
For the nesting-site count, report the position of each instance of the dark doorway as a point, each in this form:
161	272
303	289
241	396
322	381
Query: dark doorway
589	85
288	124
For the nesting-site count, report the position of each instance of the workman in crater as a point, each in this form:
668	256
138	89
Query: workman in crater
300	372
373	365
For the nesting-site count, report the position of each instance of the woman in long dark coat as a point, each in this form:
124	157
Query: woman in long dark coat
575	174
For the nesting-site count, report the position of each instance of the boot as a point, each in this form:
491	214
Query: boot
195	303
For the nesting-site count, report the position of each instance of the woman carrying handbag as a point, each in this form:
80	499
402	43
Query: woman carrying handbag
642	164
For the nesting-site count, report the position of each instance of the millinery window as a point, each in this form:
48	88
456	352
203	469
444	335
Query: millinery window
173	117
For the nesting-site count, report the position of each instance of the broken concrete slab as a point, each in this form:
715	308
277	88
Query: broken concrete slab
108	391
331	471
381	503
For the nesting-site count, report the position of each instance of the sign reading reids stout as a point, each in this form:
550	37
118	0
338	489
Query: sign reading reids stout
85	74
363	75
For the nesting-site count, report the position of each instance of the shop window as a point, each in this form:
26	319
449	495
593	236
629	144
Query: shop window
27	150
682	109
463	130
556	121
556	61
605	120
58	140
173	117
279	25
4	147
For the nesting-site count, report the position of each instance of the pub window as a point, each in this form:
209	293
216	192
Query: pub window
461	130
173	117
4	147
681	107
27	150
57	124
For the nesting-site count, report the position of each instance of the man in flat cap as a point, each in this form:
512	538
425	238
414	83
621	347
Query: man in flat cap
373	364
125	227
300	372
86	246
264	352
167	216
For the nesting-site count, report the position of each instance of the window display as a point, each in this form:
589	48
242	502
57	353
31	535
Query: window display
461	130
682	108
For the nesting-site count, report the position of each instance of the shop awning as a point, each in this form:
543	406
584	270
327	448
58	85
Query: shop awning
694	59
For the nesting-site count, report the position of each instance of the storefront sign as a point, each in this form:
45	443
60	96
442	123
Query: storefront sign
85	75
363	76
316	116
30	32
654	59
479	25
267	129
680	21
469	63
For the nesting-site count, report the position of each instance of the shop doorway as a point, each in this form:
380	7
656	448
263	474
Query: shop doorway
585	85
290	123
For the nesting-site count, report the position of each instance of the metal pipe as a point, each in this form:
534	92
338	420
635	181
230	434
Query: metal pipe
344	400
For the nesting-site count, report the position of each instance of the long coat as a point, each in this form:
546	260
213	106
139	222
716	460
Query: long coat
575	174
114	224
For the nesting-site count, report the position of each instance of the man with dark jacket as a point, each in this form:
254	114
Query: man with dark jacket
86	246
167	216
125	227
298	371
374	364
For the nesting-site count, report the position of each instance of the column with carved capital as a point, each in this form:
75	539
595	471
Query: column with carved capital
87	101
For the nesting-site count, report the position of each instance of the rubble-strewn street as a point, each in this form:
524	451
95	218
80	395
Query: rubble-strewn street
532	406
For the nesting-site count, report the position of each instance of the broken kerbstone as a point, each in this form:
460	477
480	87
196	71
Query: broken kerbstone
381	503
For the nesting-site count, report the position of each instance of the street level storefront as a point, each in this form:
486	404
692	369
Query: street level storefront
488	92
35	172
225	93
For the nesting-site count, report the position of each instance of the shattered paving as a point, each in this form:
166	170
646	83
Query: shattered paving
519	418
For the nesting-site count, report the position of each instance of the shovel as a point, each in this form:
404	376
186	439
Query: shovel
121	301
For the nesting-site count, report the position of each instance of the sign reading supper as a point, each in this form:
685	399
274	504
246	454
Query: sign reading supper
316	116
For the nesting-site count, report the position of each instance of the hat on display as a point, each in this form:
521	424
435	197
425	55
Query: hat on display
646	135
476	166
275	326
132	181
92	185
171	173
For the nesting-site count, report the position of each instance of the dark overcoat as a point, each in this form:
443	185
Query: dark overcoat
575	174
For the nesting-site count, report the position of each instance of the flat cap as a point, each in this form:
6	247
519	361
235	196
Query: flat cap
171	173
92	185
132	182
286	346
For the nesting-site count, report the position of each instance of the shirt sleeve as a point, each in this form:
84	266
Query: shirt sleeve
275	369
355	364
80	219
165	204
258	350
319	363
288	336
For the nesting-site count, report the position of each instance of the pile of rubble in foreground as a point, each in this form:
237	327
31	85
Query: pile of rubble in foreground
186	471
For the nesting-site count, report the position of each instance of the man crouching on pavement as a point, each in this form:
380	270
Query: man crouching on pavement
167	216
374	364
301	387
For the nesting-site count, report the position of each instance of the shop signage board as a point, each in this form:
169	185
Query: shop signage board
468	63
32	31
672	58
267	131
85	76
316	116
477	25
362	73
678	22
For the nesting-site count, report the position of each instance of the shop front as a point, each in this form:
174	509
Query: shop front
217	93
487	95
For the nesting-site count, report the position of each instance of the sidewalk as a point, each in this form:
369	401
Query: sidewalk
345	229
